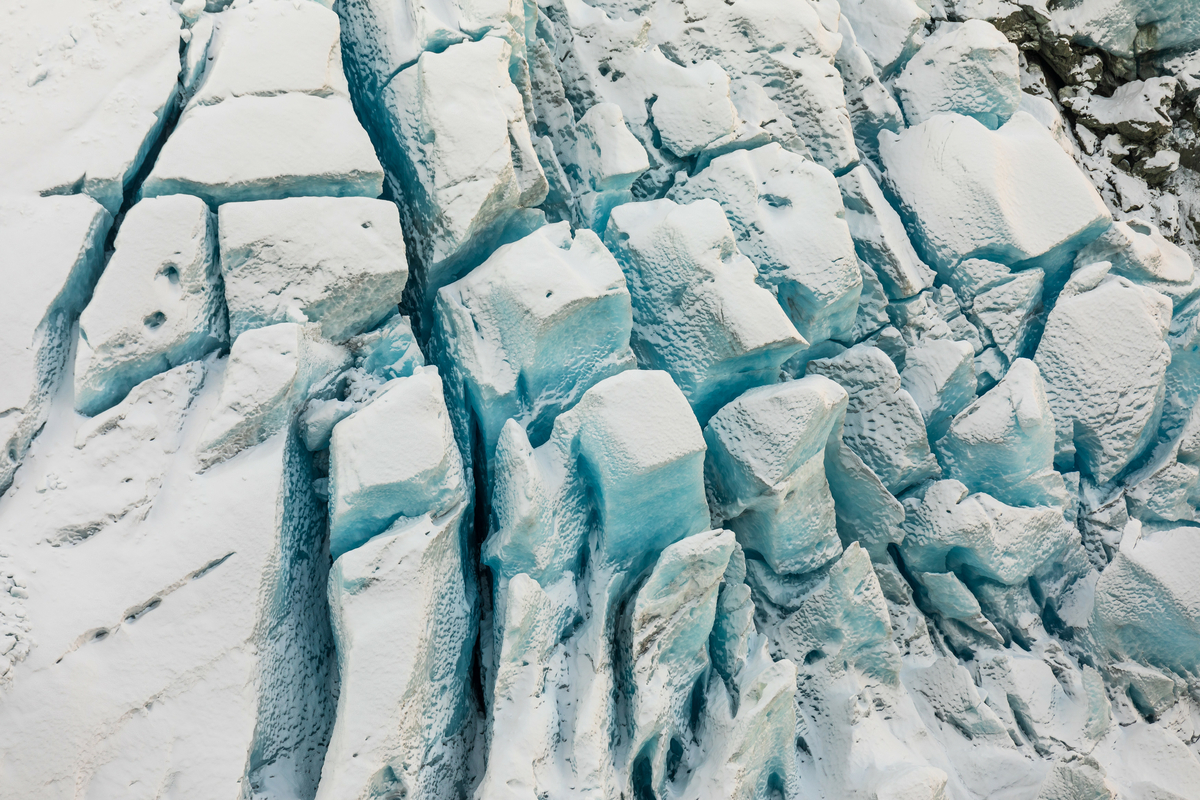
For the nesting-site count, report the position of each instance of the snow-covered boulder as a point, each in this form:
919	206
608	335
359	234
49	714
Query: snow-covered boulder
270	373
946	171
1138	110
1120	26
1003	443
534	327
157	305
369	487
336	261
968	69
697	311
884	426
1106	391
54	251
87	92
789	220
457	140
766	470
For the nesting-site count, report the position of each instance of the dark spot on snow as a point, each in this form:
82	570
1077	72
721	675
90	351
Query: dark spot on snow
155	320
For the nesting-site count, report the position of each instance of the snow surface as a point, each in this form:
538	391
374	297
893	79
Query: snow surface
599	400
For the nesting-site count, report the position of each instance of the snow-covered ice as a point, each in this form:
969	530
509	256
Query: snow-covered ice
599	400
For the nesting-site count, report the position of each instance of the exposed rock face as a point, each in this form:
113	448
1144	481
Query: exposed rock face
599	400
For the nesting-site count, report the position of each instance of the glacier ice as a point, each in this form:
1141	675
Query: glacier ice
157	305
54	254
533	328
787	213
599	399
337	261
968	69
959	208
727	332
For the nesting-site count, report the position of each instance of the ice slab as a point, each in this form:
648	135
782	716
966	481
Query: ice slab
402	625
788	217
946	527
369	488
884	425
940	377
202	607
457	138
880	240
272	47
967	68
157	305
890	32
286	145
766	470
1138	251
1106	392
1146	600
1003	443
87	93
671	619
697	311
271	372
534	327
54	251
337	261
945	174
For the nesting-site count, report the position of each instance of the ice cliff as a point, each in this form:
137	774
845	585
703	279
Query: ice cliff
599	400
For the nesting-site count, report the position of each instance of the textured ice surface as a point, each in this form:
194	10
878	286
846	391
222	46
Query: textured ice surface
336	261
157	305
53	255
599	400
958	185
697	311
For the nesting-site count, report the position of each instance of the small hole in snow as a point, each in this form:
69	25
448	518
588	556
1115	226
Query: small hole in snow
549	293
155	320
171	273
12	454
100	634
366	224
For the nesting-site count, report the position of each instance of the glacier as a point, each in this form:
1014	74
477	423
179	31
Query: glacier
599	400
